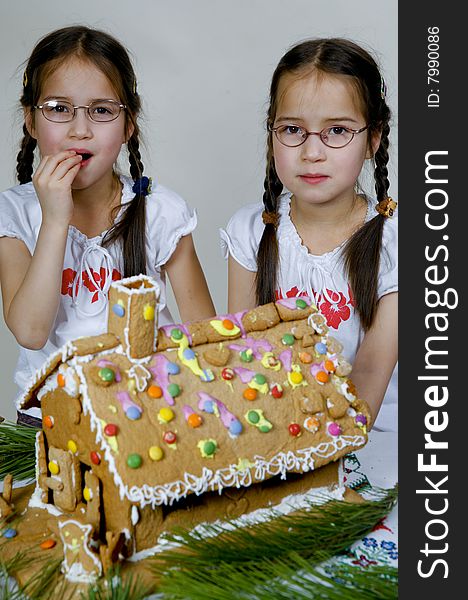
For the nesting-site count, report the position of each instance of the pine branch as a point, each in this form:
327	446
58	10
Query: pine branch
331	527
17	450
113	588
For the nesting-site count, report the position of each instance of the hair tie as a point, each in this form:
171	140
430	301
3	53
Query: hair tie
25	79
383	88
142	186
386	207
270	218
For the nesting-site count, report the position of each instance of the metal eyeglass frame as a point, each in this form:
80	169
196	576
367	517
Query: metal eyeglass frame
87	106
319	133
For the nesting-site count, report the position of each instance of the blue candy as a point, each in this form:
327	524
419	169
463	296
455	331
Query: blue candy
235	427
133	413
321	348
173	368
119	310
189	354
9	533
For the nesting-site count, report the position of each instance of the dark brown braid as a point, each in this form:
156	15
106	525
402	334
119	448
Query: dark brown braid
267	255
131	227
25	157
335	56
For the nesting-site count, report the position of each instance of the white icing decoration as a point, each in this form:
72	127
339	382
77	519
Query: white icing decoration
135	515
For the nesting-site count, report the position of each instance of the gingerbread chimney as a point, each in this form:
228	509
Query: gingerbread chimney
133	314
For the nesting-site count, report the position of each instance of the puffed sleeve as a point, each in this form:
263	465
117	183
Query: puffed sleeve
388	274
20	214
168	218
242	235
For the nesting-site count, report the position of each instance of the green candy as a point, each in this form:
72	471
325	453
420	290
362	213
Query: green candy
134	461
176	334
264	428
288	339
173	389
253	417
246	356
106	374
260	379
301	303
209	448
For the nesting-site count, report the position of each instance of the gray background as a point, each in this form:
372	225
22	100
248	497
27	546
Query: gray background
203	71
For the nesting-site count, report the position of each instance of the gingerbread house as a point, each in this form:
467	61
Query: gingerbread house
149	427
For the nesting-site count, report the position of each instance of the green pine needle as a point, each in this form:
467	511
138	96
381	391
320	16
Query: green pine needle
235	564
113	588
330	528
17	450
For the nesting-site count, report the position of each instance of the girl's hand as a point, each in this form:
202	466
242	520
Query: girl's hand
52	181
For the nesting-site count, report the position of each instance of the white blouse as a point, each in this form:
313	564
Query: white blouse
88	268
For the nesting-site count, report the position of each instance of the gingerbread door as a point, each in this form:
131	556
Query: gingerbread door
64	479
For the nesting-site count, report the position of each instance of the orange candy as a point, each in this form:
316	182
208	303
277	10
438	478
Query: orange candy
228	324
250	394
47	544
194	420
305	358
322	377
60	380
329	366
48	421
154	391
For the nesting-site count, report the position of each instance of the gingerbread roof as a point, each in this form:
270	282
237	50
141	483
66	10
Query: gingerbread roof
224	402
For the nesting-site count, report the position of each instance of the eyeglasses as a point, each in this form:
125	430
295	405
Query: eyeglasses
333	137
100	111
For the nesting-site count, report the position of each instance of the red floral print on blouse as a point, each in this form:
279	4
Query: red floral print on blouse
335	310
99	277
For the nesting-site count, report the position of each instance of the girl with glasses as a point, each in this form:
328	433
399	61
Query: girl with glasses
73	224
315	234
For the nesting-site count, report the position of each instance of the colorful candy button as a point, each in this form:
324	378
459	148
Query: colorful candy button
250	394
48	544
305	358
154	391
246	356
148	312
228	324
322	377
312	424
110	429
95	457
296	377
189	354
288	339
329	366
72	446
169	437
334	429
253	417
133	413
227	374
194	420
48	421
301	304
235	428
277	391
118	310
260	379
60	380
10	533
134	461
155	453
173	389
54	468
106	374
209	447
87	494
294	429
166	414
173	368
361	420
176	334
320	348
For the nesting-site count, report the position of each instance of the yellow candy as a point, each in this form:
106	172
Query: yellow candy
54	468
148	312
155	453
71	445
296	377
87	494
166	414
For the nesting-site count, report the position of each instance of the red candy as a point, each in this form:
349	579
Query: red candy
95	457
169	437
110	429
276	391
227	374
294	429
